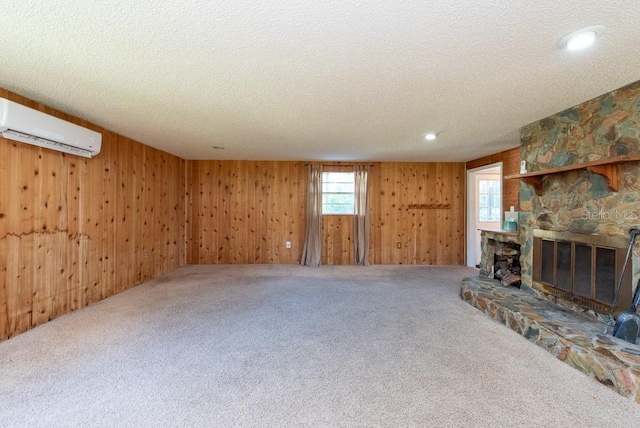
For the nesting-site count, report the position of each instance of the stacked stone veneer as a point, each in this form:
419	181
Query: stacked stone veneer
579	201
492	241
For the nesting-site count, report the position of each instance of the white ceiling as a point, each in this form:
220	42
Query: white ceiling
312	79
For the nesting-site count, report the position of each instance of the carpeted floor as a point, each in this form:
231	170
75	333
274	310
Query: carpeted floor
276	346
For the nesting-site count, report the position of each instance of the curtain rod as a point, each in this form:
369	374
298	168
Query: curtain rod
342	164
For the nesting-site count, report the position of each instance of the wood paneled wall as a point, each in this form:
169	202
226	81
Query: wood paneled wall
243	212
510	165
337	240
421	207
74	231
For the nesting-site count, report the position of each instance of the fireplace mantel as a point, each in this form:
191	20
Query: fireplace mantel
501	235
605	167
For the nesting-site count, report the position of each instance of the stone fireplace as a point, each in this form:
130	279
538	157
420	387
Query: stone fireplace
578	198
578	201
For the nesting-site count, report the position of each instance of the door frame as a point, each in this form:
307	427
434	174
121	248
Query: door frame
472	241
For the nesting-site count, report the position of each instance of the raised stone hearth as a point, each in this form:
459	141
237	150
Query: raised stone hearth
571	337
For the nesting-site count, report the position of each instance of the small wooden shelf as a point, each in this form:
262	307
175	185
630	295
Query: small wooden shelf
608	168
430	206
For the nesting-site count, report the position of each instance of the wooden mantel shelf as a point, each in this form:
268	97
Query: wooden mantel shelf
605	167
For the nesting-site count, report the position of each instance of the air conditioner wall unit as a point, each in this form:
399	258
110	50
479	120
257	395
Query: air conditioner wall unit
24	124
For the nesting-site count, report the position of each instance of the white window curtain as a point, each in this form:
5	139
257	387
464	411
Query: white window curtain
312	251
361	217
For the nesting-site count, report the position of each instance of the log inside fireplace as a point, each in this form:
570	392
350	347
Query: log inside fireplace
506	265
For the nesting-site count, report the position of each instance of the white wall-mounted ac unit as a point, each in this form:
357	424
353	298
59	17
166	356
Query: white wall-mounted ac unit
24	124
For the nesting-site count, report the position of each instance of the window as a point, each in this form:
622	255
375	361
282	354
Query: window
489	200
337	192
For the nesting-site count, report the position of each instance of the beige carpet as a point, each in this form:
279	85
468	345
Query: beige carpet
293	346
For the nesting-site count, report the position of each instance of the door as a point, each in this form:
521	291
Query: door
484	206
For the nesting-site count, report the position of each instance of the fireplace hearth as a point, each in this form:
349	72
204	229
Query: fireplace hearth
569	336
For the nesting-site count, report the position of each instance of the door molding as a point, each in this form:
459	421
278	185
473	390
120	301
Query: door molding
472	242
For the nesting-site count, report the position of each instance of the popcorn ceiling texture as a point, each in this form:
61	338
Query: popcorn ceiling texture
330	80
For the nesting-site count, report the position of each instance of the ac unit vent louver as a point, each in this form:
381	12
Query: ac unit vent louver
24	124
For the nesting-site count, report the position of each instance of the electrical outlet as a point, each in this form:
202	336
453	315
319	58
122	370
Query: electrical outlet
146	255
287	244
399	245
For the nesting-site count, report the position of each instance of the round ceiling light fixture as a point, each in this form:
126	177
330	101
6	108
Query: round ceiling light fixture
582	38
430	136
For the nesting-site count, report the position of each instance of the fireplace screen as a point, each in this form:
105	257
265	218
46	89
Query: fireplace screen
583	268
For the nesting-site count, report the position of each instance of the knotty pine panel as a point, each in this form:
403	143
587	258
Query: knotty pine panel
73	230
337	240
510	165
245	211
408	209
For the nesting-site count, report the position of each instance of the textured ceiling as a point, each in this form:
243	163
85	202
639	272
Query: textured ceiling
316	80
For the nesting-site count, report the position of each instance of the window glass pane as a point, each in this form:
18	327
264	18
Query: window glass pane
338	177
489	200
340	209
338	187
338	192
484	214
337	198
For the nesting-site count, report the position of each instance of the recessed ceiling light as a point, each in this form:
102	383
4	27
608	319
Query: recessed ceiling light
430	136
582	38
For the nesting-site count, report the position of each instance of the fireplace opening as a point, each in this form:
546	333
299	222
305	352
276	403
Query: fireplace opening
506	265
581	268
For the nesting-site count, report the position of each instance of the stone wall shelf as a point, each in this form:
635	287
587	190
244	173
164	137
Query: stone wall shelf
605	167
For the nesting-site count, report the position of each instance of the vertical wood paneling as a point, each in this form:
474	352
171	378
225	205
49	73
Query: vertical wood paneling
72	230
194	238
426	235
337	245
244	212
70	295
125	218
457	213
